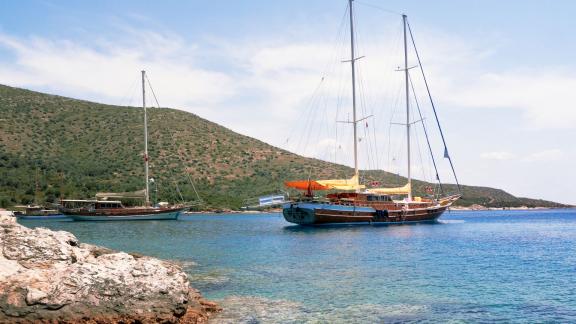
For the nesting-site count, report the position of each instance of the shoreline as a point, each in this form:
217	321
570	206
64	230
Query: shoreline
453	208
279	211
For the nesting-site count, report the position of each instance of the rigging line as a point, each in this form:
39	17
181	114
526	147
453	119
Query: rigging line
127	100
339	87
426	134
433	107
178	191
376	147
390	95
194	188
421	160
389	136
323	130
153	94
313	121
379	8
320	98
370	143
392	114
424	158
188	175
303	112
307	114
339	109
314	96
336	132
185	170
399	151
362	101
363	107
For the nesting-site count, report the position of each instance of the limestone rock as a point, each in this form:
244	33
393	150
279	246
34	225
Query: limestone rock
49	277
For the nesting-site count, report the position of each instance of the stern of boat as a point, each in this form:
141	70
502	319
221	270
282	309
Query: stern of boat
298	213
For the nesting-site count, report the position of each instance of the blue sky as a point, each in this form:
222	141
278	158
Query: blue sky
502	72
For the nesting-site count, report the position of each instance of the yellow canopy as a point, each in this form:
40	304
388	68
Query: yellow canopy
392	191
345	184
340	184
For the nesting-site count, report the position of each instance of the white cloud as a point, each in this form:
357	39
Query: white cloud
497	156
107	71
546	155
277	76
545	99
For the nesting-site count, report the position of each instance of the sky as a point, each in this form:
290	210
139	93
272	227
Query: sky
502	75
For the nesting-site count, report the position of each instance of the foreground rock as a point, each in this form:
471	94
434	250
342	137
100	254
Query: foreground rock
50	277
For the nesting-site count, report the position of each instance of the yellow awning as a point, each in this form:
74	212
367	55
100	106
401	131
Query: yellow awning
344	184
391	191
339	184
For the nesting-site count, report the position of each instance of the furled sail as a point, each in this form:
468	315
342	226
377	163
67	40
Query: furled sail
140	194
339	184
392	191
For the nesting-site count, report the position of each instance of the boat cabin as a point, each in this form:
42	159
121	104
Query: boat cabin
353	196
91	204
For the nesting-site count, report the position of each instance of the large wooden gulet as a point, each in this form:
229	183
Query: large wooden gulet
103	209
350	201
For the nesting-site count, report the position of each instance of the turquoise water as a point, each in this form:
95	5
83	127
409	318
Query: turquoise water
509	266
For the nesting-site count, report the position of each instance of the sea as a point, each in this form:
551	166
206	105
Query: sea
471	267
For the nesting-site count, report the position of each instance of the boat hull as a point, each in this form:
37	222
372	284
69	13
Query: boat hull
159	215
41	217
306	213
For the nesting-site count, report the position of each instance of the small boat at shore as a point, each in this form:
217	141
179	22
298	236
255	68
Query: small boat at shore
114	210
35	212
349	201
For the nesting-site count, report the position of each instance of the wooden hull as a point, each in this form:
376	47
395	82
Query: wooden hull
125	214
311	213
41	217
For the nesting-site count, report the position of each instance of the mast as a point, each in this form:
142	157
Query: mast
353	61
145	138
406	76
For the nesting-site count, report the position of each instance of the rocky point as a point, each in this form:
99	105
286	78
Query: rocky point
51	277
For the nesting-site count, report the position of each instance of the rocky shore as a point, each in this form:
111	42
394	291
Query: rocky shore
50	277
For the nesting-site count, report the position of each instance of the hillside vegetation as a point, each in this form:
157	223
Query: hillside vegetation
53	147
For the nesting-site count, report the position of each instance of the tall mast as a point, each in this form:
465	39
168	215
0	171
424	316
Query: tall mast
404	17
353	61
145	138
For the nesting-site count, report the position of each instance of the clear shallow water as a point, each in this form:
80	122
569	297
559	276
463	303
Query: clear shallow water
510	266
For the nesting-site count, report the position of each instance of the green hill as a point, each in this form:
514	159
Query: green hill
52	147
